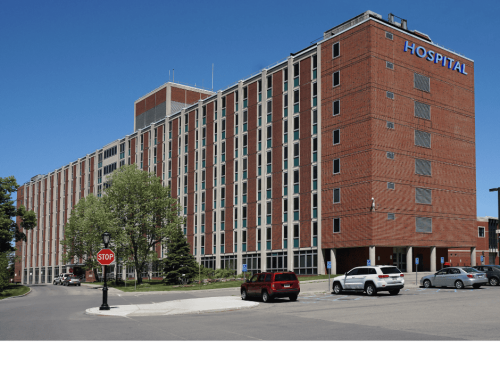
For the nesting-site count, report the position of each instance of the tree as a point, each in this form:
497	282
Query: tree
145	214
10	231
83	232
180	265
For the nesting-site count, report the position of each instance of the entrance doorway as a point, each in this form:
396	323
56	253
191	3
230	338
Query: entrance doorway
399	258
492	257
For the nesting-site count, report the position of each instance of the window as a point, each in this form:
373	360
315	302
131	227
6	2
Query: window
336	225
268	187
336	107
296	235
336	137
423	196
296	72
388	35
305	262
336	166
390	185
296	100
481	232
268	238
296	208
421	82
336	78
422	139
390	125
390	155
391	216
296	128
390	95
336	195
296	154
423	167
422	110
423	225
336	50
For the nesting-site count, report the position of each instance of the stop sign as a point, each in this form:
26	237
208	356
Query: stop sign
105	256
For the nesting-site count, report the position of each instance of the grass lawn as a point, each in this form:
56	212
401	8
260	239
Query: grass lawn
14	290
155	285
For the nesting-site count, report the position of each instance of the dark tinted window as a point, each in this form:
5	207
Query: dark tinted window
372	271
285	277
441	272
261	277
469	270
390	270
353	272
268	277
254	278
364	271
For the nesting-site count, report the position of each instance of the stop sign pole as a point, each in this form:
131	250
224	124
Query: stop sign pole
105	257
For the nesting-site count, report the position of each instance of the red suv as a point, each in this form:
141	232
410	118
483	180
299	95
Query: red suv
271	285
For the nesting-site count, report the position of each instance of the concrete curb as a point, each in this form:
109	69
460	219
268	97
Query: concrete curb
176	307
22	295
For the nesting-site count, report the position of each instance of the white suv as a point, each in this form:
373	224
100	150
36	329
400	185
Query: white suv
371	279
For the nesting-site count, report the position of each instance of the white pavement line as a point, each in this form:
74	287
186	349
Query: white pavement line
358	298
336	299
455	290
438	290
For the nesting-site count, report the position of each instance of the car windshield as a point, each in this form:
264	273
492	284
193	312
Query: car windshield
470	270
285	277
390	270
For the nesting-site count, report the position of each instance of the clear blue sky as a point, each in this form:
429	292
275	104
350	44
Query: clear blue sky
71	71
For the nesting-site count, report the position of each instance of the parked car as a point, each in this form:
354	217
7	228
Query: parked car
72	280
459	277
271	285
58	280
492	273
371	280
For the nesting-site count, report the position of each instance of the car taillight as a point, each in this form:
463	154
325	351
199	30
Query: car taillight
401	275
470	275
383	276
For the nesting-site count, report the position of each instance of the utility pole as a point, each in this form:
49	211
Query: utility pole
498	225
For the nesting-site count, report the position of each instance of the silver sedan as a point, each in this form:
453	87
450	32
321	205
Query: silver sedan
458	277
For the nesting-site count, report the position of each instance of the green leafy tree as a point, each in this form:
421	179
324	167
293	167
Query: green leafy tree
145	214
10	231
180	265
83	232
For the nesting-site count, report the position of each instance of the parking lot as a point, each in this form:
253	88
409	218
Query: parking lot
55	312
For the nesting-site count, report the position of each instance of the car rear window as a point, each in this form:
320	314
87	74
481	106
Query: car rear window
469	270
285	277
390	270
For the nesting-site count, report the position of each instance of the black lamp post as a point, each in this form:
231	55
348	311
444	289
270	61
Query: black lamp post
498	225
105	238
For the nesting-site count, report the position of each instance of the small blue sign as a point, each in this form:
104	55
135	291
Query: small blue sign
368	262
442	260
482	258
245	268
416	260
328	265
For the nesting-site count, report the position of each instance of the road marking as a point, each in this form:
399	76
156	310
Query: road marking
455	290
358	298
438	290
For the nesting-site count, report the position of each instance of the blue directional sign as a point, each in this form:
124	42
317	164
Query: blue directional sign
416	260
328	265
482	258
442	260
368	262
245	268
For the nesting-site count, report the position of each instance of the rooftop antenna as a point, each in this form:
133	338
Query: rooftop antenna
212	76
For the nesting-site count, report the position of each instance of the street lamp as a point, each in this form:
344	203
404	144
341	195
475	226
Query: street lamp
498	225
105	239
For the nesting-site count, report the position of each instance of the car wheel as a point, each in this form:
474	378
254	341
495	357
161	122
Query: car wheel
337	288
79	284
493	281
54	283
394	292
427	284
476	286
293	298
371	290
244	295
265	297
459	284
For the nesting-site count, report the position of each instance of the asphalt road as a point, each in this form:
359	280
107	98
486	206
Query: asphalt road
57	313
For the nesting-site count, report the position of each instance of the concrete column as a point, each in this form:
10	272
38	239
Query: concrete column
333	258
409	259
473	256
371	255
217	261
433	259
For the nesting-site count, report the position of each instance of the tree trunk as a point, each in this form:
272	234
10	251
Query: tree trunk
96	275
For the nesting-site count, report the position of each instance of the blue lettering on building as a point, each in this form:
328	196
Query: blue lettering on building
432	56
